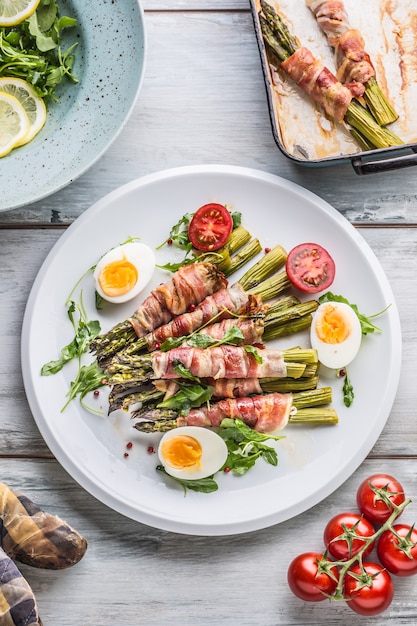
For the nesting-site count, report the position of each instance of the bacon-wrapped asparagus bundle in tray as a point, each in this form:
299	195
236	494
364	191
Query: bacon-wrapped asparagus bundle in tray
354	65
319	82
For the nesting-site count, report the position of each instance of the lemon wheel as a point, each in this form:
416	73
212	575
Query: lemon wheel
33	104
14	123
13	12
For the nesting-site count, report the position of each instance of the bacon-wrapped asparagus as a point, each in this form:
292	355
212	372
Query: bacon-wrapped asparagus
187	287
267	413
354	65
216	362
239	299
318	82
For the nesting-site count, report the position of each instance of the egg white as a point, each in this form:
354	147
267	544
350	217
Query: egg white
337	355
214	453
138	254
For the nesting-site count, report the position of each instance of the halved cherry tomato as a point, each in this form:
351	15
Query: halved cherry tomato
397	550
374	504
369	590
343	535
311	577
210	227
310	267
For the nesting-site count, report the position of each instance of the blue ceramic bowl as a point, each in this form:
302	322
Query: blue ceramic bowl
110	60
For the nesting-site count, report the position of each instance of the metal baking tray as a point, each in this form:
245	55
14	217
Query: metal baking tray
301	130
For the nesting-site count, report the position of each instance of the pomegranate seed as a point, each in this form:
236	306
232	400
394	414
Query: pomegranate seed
191	308
151	450
267	250
342	373
96	392
226	470
157	346
126	454
129	445
169	241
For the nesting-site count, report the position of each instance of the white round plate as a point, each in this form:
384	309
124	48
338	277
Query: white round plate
109	64
313	461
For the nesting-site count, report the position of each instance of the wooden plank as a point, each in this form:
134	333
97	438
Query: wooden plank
215	112
134	575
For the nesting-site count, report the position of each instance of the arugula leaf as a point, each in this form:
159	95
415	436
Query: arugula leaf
232	337
255	353
85	332
89	378
367	325
348	394
246	446
188	397
204	485
183	371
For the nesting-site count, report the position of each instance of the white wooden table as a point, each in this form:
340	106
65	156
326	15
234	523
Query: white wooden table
203	101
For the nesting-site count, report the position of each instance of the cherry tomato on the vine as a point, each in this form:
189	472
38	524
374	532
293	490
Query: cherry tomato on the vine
370	590
310	267
398	554
375	494
311	577
210	227
343	535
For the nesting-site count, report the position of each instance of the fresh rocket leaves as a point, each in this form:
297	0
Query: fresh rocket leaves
367	325
188	397
203	485
246	446
32	50
233	337
85	332
89	378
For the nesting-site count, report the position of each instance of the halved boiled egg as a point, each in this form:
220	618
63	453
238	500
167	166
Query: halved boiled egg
336	334
192	452
123	272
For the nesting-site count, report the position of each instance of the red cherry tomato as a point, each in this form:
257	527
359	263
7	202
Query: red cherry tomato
372	504
370	591
399	554
310	267
340	535
308	581
210	227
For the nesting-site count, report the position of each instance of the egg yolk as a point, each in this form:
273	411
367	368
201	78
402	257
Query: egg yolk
118	278
181	452
333	326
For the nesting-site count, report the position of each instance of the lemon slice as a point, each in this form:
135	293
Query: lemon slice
14	123
33	104
13	12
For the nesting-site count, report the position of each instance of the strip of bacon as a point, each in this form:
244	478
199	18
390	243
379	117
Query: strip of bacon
219	362
318	82
354	64
187	287
267	413
232	300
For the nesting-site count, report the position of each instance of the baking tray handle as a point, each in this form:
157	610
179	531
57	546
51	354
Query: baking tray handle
362	166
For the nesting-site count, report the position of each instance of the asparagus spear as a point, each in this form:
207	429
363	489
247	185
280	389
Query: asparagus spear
283	45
